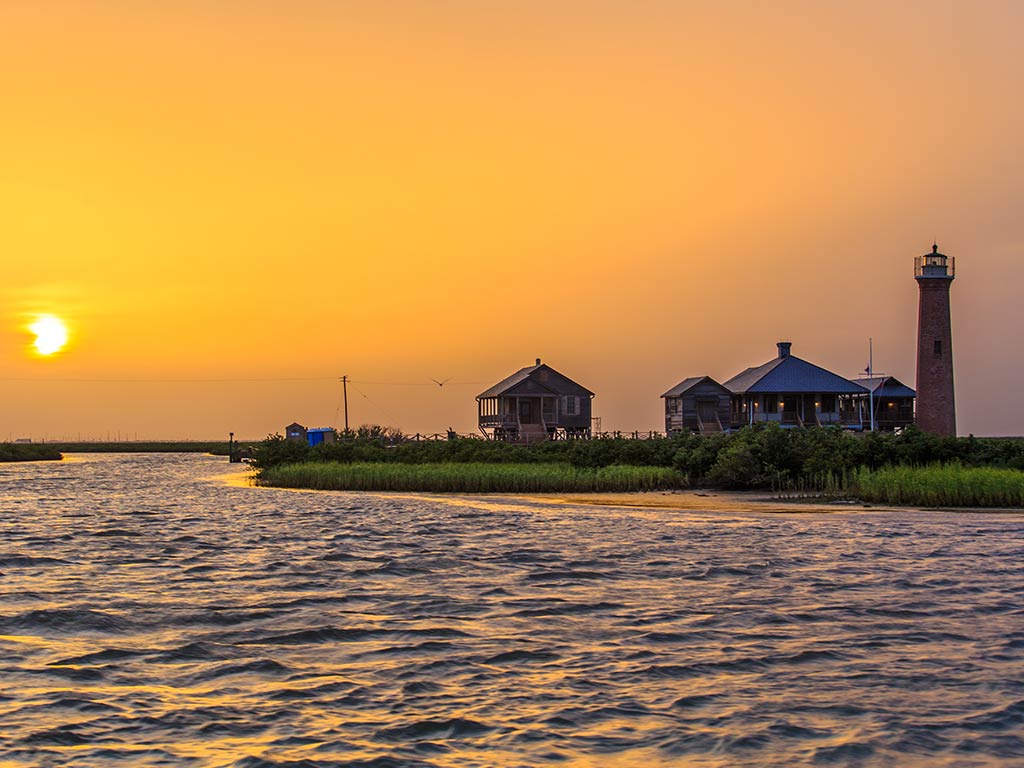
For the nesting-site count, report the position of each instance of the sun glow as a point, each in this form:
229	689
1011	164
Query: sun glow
51	334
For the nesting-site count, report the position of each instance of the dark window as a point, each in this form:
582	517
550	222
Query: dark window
938	347
771	404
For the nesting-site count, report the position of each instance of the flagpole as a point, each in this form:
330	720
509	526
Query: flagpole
871	383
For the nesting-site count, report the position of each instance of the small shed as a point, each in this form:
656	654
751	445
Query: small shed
697	404
295	431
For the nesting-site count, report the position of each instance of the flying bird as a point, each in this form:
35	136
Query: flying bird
440	383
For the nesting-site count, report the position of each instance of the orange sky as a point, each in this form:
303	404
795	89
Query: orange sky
635	192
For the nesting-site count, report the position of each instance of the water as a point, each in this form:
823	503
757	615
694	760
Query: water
153	615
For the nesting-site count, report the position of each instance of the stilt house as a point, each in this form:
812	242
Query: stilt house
698	404
535	403
795	393
893	402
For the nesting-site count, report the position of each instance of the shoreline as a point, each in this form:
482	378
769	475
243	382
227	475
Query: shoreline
715	501
746	501
700	500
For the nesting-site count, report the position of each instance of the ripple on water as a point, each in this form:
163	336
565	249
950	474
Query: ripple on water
152	616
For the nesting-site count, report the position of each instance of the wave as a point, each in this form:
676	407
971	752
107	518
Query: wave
64	620
518	656
261	667
452	728
24	561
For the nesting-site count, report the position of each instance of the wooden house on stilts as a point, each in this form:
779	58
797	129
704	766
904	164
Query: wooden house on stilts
535	403
793	392
892	400
790	392
698	404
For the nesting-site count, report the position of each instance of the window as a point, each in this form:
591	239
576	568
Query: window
571	405
673	405
771	404
938	347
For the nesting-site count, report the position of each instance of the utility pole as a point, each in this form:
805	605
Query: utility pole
871	382
344	392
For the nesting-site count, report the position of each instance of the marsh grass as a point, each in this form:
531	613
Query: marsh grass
469	477
945	485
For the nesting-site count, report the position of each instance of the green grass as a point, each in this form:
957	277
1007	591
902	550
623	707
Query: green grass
948	485
29	452
468	477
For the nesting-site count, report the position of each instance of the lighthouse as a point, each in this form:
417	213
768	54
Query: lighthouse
936	410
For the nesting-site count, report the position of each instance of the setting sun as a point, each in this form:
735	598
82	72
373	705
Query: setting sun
51	334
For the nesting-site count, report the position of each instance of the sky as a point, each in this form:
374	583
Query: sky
233	204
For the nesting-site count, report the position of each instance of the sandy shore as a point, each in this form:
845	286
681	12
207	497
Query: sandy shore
739	501
736	501
708	501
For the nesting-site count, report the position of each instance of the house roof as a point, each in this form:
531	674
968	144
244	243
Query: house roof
886	386
687	384
510	381
788	373
523	374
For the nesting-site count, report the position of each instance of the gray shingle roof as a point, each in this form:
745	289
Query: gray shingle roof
791	374
743	380
886	386
522	375
507	383
687	384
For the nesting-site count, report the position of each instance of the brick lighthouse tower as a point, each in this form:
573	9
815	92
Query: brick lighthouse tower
936	411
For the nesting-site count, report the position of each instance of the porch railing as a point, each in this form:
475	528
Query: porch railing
498	420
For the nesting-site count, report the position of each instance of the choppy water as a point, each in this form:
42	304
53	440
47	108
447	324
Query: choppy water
151	615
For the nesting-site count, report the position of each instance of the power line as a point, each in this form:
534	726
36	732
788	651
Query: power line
375	404
157	380
242	380
430	383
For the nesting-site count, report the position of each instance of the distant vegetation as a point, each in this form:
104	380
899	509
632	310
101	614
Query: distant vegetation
761	457
29	452
907	468
471	477
215	447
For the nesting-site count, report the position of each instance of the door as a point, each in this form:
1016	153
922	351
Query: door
707	411
810	412
527	410
790	408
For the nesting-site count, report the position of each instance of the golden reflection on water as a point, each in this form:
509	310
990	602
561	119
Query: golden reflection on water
234	621
245	478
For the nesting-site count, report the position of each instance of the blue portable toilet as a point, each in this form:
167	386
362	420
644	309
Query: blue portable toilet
318	435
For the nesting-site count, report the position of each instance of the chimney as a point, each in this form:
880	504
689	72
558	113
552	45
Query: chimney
784	348
538	361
